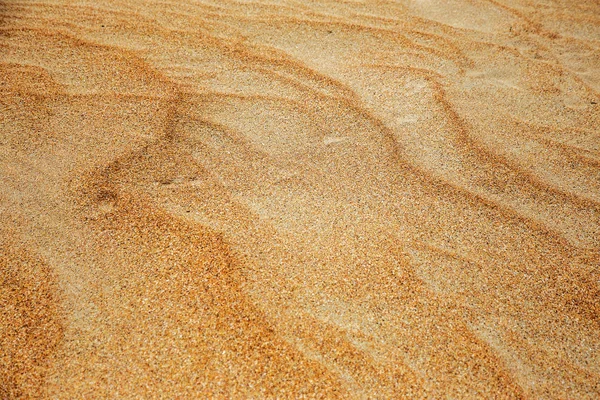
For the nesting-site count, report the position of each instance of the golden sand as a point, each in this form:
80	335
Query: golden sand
300	199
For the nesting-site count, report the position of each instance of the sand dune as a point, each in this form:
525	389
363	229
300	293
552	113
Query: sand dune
250	199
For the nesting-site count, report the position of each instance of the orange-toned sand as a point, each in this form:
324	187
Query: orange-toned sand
300	199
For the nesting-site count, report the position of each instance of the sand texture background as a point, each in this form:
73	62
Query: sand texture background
331	199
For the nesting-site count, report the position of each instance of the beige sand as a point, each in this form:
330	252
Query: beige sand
357	199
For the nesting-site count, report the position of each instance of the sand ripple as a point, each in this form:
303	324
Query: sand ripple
300	199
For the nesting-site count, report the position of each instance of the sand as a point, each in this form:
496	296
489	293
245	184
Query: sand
300	199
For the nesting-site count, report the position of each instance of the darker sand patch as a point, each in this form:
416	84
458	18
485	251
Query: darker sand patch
31	326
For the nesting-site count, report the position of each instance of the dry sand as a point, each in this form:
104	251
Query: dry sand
357	199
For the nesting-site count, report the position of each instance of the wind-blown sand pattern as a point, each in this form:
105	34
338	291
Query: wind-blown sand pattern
358	199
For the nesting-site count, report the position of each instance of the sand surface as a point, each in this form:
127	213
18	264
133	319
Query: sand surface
331	199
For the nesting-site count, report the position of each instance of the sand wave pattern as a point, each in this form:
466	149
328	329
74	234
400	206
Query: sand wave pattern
300	199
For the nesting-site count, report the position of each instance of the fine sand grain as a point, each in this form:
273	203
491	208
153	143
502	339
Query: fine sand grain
300	199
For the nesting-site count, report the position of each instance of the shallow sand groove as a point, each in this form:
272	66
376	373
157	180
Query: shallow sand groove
361	199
